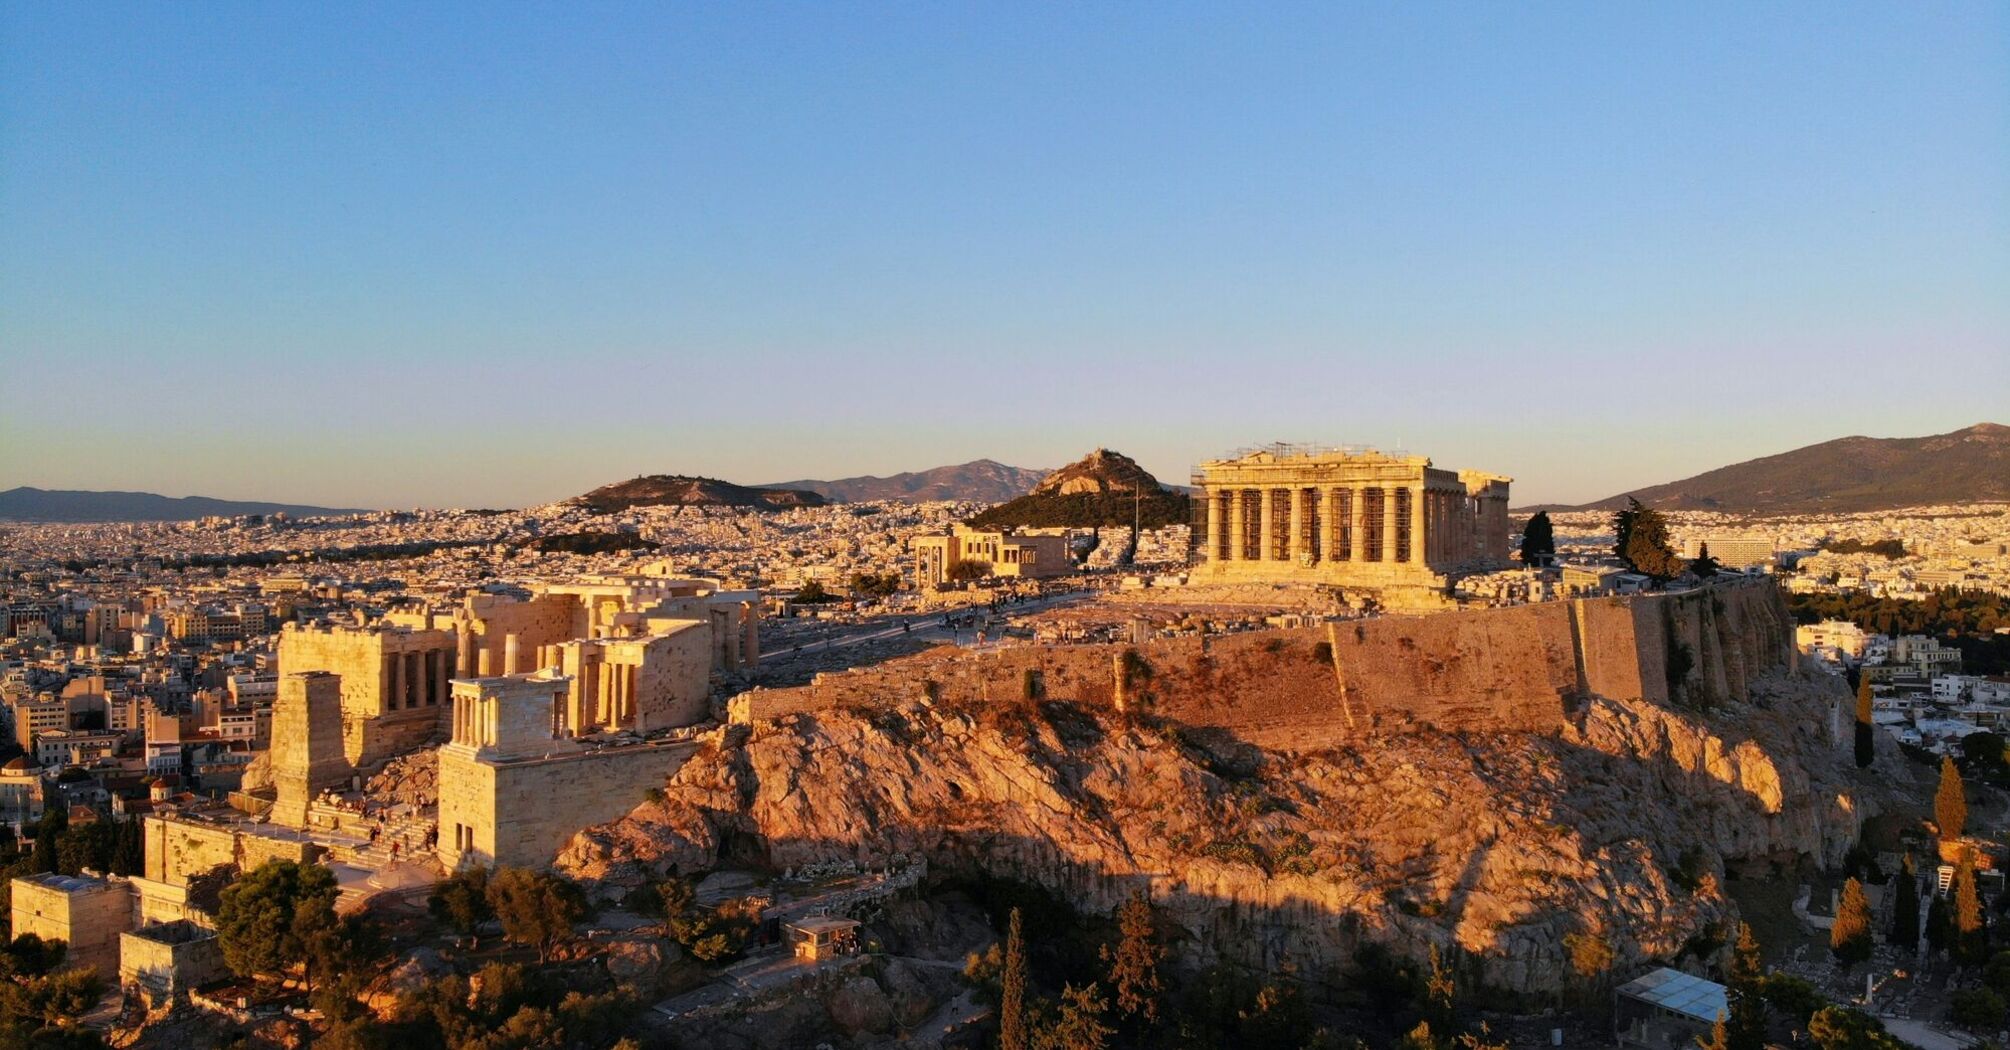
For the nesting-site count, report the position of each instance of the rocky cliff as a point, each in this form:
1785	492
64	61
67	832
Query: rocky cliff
1495	844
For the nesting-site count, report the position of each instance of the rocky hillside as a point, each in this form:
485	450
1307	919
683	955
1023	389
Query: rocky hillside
1848	475
1100	489
979	481
677	490
1495	844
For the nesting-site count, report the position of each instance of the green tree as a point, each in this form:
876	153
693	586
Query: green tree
1793	997
1977	1008
1971	929
1641	541
1950	802
1012	1005
462	900
1841	1028
813	593
1134	961
1648	549
1538	540
536	908
1905	908
1079	1023
265	917
1746	1029
1850	938
1864	725
968	569
1703	565
1939	925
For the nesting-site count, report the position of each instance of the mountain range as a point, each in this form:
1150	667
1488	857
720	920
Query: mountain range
64	505
1845	476
980	481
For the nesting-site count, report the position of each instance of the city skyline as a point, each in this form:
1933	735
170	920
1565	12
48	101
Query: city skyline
394	258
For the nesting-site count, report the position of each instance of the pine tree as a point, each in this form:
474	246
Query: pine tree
1012	1007
1747	1027
1704	566
1971	943
1642	541
1905	908
1864	725
1849	938
1950	803
1134	962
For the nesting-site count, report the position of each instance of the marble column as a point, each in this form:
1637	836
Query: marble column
1266	517
1329	505
1214	537
464	652
1389	523
1238	525
1298	544
1419	536
1357	519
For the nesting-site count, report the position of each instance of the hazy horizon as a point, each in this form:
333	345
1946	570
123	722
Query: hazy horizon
459	256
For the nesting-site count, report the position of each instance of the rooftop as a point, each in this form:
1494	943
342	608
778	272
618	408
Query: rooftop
1681	993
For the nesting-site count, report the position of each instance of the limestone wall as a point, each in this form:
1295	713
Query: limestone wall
180	849
85	913
545	620
165	961
1518	668
307	754
521	813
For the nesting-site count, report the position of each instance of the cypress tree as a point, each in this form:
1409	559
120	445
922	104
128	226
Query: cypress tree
1719	1039
1134	962
1012	1007
1538	540
1905	908
1970	929
1747	1027
1864	725
1950	802
1939	925
1849	938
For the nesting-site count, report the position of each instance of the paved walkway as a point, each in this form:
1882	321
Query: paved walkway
1918	1034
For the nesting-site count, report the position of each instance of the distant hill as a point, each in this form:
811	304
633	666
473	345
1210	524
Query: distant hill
1100	489
1847	475
64	505
980	481
677	490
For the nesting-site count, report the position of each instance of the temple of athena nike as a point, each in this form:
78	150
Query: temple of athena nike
1347	516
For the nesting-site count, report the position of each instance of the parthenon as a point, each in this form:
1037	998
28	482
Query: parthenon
1346	516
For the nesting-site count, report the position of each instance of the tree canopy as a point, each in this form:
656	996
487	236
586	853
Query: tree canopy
267	917
1538	540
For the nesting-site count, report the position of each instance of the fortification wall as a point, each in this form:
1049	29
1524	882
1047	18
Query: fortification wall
521	813
1511	669
178	850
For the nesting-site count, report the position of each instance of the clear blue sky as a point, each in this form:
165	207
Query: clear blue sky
499	254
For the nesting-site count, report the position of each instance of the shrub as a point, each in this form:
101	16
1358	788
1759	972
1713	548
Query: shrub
1976	1008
